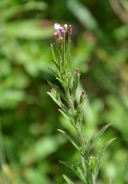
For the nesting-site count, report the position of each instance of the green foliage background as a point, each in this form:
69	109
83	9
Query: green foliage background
30	145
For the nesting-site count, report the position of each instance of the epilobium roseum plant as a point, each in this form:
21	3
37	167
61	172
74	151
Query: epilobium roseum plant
88	167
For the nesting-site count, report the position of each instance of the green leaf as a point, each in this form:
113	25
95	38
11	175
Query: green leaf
58	90
53	53
70	116
62	82
62	112
52	85
98	136
68	52
55	100
70	78
70	139
67	179
77	170
80	106
57	66
53	72
92	163
73	89
99	156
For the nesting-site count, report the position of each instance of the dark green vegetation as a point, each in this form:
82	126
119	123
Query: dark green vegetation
31	146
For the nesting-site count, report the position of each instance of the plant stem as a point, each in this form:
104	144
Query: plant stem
63	50
92	179
69	101
81	139
83	164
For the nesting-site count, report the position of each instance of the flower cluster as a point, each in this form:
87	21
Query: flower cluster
61	31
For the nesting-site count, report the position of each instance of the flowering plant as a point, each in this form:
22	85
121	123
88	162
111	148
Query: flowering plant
88	167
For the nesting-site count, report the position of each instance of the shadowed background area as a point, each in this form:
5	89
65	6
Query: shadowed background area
30	145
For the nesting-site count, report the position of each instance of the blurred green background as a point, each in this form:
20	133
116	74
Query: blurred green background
30	145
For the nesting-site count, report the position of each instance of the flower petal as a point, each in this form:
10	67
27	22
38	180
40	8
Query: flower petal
56	26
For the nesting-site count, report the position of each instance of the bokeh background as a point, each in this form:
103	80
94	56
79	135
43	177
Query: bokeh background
30	146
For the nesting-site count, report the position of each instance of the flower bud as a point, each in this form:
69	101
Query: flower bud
82	96
62	33
57	36
92	163
70	30
66	27
83	92
77	70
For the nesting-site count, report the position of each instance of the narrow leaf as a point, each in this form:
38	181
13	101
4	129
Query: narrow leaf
70	116
58	90
76	170
83	178
55	100
99	156
98	136
70	78
67	179
53	72
62	82
53	53
57	66
52	85
80	106
62	112
70	139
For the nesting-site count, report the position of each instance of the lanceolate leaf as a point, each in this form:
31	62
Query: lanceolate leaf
67	113
83	178
70	139
77	170
80	106
55	100
54	73
57	66
58	90
98	136
62	82
73	90
99	156
62	112
53	53
67	179
52	85
70	78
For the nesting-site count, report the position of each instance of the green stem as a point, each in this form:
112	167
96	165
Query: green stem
63	50
69	101
83	164
54	57
81	140
92	179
